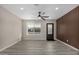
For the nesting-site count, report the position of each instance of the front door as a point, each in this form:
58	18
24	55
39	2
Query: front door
50	31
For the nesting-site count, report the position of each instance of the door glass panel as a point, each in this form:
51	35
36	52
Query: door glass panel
49	28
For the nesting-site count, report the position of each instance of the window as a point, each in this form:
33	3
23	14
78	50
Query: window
34	28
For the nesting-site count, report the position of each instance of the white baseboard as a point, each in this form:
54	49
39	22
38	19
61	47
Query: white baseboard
34	38
10	45
68	45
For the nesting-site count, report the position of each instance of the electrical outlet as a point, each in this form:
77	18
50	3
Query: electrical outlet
67	40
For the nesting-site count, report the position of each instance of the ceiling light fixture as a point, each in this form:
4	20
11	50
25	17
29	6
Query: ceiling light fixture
56	8
21	8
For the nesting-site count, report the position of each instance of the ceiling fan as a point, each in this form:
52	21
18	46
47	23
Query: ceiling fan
40	14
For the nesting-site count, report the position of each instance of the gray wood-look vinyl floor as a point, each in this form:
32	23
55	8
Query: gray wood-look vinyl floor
39	48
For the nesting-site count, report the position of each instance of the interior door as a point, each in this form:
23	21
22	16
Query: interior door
50	31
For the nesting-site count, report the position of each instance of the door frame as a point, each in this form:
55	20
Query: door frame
52	31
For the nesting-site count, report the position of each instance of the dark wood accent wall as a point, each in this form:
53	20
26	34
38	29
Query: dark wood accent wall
68	28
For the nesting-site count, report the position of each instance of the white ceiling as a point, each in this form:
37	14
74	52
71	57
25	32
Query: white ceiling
31	10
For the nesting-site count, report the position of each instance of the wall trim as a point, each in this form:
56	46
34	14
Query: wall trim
68	45
36	38
10	45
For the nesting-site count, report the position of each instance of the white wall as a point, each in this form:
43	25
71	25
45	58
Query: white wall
42	35
10	28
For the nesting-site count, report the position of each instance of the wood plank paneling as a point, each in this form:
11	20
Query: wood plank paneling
68	28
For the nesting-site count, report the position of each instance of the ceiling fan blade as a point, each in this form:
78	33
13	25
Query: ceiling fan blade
45	16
